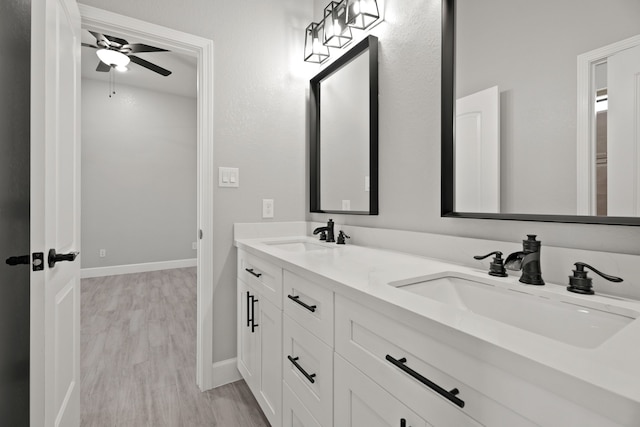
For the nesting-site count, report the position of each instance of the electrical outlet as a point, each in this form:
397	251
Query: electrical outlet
346	205
103	253
267	208
194	246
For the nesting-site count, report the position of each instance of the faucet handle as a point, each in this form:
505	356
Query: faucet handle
323	235
341	237
581	284
496	268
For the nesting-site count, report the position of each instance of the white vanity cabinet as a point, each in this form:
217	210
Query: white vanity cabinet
321	345
259	333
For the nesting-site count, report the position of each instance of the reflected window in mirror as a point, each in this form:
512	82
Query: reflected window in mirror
344	133
530	129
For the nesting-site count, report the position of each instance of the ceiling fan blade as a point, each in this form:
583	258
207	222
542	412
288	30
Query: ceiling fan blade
118	40
102	67
100	38
149	65
89	45
140	47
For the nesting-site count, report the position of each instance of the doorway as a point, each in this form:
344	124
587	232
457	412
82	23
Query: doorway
107	22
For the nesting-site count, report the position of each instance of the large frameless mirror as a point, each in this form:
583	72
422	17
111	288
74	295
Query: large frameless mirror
540	111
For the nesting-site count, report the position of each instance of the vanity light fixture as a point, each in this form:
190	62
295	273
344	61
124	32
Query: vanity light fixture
336	32
314	49
362	14
335	28
113	58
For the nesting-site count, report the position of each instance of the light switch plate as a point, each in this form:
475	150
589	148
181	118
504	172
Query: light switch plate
228	177
346	205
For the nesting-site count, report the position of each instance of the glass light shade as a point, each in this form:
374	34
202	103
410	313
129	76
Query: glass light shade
336	31
314	50
113	57
362	14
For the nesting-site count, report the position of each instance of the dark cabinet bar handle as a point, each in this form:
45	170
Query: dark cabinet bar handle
403	422
254	325
248	309
294	360
450	395
250	270
311	308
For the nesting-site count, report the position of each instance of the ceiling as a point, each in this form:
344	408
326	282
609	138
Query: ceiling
182	80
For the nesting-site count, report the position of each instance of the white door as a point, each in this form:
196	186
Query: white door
477	152
55	212
623	133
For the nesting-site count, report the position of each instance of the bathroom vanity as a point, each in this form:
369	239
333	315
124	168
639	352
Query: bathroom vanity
347	335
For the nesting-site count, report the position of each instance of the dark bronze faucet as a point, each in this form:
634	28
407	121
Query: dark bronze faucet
527	260
328	229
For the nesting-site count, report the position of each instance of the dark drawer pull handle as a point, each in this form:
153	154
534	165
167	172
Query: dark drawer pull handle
403	422
294	360
296	298
250	270
451	395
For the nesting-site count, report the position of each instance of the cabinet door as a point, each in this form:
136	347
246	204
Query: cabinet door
358	401
268	325
247	345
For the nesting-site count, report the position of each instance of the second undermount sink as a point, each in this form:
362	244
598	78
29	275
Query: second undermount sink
298	246
561	319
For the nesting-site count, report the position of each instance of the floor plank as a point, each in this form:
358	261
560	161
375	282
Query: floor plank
138	349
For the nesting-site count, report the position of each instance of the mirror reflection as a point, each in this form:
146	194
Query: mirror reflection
344	133
546	107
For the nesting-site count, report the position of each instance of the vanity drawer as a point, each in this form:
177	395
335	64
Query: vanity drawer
294	413
400	358
312	379
261	274
309	304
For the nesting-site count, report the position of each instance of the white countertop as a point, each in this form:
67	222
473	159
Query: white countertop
612	368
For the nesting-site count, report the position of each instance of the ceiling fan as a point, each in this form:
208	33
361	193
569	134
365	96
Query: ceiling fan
116	52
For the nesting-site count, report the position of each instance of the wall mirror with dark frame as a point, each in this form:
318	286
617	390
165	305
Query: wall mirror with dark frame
540	111
344	133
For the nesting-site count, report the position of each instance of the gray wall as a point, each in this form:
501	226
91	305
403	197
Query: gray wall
260	84
138	175
409	63
529	50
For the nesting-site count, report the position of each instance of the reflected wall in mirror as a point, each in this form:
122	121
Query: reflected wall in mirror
527	132
344	133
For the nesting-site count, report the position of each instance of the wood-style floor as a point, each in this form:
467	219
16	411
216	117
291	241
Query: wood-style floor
138	353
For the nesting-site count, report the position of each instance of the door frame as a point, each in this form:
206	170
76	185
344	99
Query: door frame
586	124
104	21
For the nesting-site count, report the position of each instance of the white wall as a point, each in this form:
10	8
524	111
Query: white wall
260	84
138	175
409	72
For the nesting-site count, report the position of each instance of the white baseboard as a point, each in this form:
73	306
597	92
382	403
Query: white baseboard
225	372
115	270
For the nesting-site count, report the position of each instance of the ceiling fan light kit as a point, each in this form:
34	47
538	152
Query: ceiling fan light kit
116	52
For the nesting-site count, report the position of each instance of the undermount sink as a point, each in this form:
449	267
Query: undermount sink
298	246
560	319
